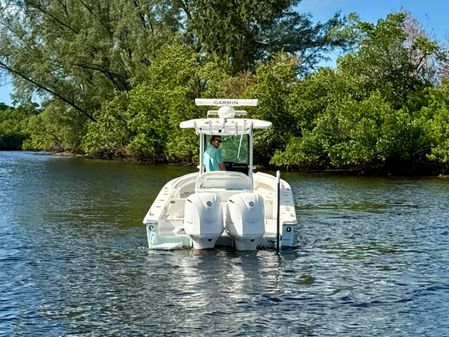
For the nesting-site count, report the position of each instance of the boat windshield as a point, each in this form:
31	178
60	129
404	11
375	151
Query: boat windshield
235	149
235	152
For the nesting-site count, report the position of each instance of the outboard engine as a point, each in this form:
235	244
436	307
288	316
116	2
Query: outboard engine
203	219
245	220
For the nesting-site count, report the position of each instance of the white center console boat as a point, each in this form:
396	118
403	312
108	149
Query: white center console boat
236	207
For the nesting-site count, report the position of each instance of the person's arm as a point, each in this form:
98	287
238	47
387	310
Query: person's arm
222	166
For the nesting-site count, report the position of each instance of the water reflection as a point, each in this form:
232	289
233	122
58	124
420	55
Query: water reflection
217	289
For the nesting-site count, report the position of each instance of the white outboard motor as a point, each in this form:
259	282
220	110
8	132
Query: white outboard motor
245	220
203	219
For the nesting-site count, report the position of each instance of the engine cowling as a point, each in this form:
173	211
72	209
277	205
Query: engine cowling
245	220
203	219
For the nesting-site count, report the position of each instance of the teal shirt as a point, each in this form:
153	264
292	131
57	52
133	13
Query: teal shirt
212	158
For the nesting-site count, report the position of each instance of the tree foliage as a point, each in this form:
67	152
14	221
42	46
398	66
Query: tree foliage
80	55
55	129
13	130
272	86
109	136
145	123
246	32
80	52
117	78
366	111
434	119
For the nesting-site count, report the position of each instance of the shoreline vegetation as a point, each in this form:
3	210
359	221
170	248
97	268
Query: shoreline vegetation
117	84
429	169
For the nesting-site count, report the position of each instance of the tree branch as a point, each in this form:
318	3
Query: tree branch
109	74
54	18
49	90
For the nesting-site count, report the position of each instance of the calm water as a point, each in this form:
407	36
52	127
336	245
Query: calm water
372	259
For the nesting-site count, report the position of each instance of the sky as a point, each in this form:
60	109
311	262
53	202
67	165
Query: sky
431	14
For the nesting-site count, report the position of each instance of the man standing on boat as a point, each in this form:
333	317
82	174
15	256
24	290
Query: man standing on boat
213	161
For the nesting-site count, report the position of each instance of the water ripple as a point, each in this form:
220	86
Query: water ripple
371	259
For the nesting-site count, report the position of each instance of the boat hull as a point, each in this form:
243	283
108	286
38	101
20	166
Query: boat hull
166	219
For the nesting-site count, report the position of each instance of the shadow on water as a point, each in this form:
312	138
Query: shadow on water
371	258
